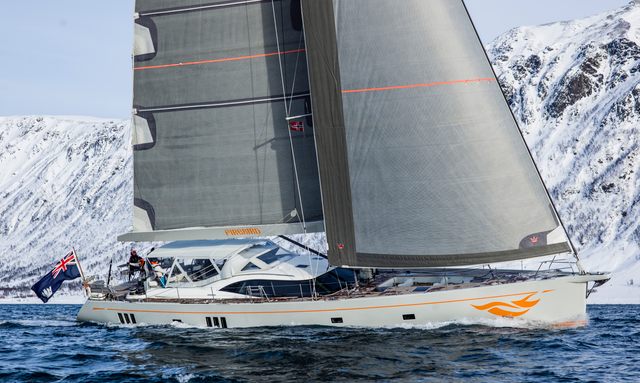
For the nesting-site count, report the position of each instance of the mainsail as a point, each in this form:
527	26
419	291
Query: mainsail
421	160
221	100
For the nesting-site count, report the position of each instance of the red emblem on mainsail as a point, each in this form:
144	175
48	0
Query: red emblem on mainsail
296	126
534	239
340	246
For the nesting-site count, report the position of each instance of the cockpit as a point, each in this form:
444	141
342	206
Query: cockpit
198	263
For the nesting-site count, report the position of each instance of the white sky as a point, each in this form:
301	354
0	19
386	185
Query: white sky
72	57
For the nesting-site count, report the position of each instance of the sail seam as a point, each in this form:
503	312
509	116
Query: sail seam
248	101
227	4
220	60
413	86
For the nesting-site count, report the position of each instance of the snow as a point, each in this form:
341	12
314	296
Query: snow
64	182
574	87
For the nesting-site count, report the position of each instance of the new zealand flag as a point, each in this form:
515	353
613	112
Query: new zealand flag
66	270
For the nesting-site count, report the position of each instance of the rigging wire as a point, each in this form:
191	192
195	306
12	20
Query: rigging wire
287	109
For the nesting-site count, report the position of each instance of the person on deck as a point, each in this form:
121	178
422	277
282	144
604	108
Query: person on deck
159	273
134	263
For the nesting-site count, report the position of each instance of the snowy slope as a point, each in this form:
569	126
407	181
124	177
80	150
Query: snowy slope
575	88
64	182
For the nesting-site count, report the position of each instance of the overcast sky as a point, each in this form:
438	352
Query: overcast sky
72	57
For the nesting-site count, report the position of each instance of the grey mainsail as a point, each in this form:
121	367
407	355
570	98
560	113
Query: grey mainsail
214	84
420	158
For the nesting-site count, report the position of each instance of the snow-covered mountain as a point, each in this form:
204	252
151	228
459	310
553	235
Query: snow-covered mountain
64	182
574	87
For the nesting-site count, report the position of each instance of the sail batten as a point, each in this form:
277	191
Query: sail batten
421	160
222	104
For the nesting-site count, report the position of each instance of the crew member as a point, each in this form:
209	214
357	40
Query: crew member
134	262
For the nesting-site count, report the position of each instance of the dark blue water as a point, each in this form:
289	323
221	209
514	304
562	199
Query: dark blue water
43	343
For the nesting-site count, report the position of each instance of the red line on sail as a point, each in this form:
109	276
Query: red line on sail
226	59
412	86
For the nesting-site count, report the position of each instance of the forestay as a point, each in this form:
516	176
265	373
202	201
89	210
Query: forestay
213	87
421	160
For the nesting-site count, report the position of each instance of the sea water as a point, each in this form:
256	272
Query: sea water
44	343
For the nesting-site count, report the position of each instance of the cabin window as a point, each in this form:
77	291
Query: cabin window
250	266
195	270
409	316
328	283
271	288
273	256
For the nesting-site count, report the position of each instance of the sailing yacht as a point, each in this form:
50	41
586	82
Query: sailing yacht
378	122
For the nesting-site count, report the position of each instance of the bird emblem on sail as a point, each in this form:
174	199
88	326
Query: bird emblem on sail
534	239
509	309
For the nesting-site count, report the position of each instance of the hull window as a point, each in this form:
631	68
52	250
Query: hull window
336	320
208	319
409	317
121	318
328	283
133	319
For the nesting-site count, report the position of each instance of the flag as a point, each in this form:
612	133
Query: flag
296	126
67	269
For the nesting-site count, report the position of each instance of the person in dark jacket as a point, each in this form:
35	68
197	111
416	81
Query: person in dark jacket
134	262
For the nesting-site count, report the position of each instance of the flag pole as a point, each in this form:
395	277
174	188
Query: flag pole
78	261
85	285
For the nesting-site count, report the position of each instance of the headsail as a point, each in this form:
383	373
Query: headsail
421	160
214	83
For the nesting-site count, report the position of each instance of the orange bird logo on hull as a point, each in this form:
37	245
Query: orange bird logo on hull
509	309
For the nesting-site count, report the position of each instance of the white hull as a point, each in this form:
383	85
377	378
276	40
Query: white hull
554	301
